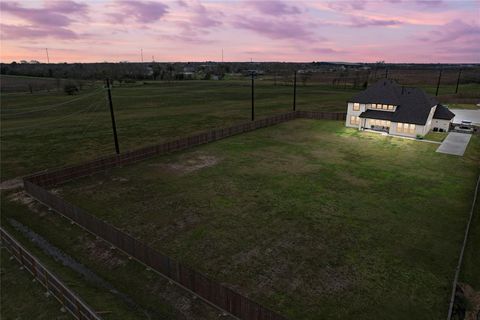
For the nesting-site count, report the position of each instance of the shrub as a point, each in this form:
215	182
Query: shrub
70	89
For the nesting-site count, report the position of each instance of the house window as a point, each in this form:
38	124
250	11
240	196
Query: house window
354	120
356	107
380	123
406	128
390	107
385	107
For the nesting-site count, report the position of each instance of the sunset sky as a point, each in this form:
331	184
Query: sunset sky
192	30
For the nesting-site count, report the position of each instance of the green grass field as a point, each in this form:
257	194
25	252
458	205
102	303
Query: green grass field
117	287
310	218
23	299
45	130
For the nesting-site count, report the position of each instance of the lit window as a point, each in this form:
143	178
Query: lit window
354	120
385	107
390	107
374	106
356	107
369	105
406	128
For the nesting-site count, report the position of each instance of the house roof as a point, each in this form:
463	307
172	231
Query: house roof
377	114
413	104
442	112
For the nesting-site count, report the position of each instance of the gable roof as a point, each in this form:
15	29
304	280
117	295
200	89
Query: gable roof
442	112
413	104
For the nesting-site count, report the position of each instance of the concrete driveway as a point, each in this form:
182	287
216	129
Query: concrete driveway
455	143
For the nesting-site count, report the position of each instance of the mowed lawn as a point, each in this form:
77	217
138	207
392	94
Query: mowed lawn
312	219
45	130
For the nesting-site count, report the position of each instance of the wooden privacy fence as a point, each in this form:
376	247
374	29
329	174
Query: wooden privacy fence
61	175
211	291
61	292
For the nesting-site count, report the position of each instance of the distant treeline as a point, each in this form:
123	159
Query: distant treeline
205	70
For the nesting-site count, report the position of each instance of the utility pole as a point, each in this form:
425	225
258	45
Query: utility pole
438	83
114	126
295	90
253	96
458	80
48	59
386	73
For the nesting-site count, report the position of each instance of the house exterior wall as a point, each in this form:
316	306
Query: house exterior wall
441	124
351	112
419	130
428	124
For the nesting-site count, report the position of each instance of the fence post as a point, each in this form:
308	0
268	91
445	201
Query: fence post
253	96
295	90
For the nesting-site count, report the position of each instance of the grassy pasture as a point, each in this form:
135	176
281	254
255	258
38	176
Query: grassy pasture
310	218
23	299
126	290
44	130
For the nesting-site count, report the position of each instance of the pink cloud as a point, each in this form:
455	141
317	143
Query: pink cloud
28	32
141	11
347	5
201	17
456	30
276	8
362	22
430	3
54	14
276	29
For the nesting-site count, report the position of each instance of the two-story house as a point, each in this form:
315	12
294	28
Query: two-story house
386	106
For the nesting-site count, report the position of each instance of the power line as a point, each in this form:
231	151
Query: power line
95	117
52	106
48	122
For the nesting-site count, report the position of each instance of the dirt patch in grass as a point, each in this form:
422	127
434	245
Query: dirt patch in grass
473	298
98	250
353	180
23	198
190	162
11	184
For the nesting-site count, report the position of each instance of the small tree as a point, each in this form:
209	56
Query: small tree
70	89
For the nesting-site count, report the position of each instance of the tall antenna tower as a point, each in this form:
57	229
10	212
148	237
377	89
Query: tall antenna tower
48	59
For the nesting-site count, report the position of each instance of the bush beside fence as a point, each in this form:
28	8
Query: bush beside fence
61	175
60	291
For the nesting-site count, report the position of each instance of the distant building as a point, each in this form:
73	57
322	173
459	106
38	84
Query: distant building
397	110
